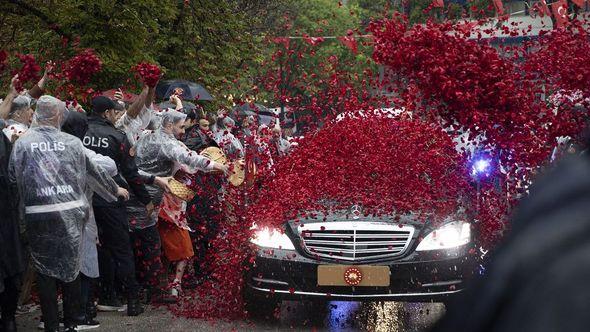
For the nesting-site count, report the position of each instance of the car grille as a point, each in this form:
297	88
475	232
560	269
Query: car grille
355	241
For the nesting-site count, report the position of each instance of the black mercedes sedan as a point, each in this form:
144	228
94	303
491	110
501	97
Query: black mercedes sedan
351	256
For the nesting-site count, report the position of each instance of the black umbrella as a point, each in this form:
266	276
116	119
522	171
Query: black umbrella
260	112
186	105
190	90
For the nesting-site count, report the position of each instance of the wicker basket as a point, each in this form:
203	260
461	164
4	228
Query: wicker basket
215	154
238	170
238	173
180	190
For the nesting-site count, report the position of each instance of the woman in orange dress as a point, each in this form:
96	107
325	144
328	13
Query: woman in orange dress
158	153
175	238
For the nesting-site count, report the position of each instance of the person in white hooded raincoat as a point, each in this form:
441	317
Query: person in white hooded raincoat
52	171
160	153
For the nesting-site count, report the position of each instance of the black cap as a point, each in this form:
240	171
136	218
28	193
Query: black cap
101	104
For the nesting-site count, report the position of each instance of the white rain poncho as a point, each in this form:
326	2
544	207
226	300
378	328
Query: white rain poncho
14	128
52	170
134	127
281	146
89	254
76	124
156	154
228	142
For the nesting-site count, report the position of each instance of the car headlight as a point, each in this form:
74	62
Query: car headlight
448	236
272	238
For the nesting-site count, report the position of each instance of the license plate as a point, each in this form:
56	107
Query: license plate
353	275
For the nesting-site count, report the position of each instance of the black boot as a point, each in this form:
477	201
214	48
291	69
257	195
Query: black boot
134	307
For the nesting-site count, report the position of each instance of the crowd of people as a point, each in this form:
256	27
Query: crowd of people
87	203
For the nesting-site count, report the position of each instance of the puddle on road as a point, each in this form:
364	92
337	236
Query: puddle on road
357	316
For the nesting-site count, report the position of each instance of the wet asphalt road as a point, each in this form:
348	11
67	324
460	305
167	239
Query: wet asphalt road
294	316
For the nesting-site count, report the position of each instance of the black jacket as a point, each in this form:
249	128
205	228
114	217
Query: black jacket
537	279
11	253
196	140
103	138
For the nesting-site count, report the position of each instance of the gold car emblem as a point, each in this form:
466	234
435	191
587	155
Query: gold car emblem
353	276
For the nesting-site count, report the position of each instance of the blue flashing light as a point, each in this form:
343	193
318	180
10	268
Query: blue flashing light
481	167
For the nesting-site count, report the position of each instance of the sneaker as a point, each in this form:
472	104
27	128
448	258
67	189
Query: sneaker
88	324
110	305
109	308
41	325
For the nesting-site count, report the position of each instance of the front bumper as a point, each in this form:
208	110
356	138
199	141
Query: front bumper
418	277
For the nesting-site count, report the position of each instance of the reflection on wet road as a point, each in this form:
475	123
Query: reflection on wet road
356	316
293	316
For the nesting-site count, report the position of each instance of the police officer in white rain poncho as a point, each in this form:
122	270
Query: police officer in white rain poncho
52	171
157	153
76	124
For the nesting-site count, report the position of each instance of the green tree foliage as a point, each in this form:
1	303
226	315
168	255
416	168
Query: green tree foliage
222	44
417	12
297	19
205	41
